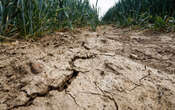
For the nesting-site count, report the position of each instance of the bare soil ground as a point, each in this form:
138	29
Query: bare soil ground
111	69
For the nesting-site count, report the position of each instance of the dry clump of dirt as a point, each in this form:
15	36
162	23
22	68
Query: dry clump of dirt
111	69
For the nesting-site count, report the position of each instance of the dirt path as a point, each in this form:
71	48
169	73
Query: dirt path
111	69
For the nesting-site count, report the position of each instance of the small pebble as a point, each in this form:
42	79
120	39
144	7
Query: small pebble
36	68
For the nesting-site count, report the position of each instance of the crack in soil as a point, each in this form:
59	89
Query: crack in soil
109	97
61	87
84	45
71	63
140	80
112	67
73	97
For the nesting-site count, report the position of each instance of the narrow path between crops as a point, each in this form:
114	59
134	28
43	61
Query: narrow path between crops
111	69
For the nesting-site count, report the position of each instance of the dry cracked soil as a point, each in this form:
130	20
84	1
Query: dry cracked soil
111	69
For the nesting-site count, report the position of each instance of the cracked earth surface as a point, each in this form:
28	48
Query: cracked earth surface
111	69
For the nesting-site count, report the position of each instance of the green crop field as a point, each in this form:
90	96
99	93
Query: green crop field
30	18
156	14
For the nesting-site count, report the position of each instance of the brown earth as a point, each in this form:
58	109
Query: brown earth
111	69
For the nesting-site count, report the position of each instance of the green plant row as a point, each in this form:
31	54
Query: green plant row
35	17
157	14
